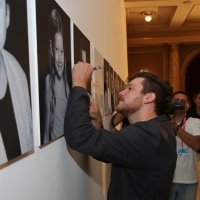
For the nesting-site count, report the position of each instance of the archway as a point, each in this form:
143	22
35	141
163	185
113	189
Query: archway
192	77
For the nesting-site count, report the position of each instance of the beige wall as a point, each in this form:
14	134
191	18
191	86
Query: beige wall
55	172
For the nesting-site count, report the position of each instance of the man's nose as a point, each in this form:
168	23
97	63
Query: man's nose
121	93
60	57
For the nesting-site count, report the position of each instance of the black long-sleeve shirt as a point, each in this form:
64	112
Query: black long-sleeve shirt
143	155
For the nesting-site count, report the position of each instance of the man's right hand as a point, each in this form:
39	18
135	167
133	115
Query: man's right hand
81	74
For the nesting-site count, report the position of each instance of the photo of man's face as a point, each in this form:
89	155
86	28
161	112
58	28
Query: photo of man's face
16	136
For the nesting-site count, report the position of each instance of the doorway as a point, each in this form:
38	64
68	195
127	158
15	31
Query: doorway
192	77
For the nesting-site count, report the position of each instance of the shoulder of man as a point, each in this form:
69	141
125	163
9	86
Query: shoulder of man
193	126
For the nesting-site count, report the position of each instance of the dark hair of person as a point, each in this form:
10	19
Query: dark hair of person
55	26
195	95
162	89
182	92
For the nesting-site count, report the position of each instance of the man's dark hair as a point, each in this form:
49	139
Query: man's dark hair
162	89
182	92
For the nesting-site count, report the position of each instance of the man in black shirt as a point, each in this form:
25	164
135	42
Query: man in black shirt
143	154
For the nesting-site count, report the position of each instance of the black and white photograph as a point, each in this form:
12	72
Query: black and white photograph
112	88
81	46
118	86
54	67
16	135
116	90
97	80
81	49
107	95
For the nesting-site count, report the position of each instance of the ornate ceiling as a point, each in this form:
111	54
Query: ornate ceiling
175	21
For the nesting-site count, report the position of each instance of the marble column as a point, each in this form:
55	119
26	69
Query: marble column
174	67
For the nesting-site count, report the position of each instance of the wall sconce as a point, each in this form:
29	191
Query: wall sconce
144	70
148	15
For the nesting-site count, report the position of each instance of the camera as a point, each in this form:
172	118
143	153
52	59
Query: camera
176	106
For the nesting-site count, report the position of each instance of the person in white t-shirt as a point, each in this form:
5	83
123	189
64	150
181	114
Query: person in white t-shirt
187	131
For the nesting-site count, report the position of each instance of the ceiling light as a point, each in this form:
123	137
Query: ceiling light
148	18
187	2
148	15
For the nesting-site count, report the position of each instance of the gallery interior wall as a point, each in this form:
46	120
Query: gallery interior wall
152	58
56	172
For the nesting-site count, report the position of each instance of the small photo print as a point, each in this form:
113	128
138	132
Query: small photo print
81	49
112	89
97	80
107	92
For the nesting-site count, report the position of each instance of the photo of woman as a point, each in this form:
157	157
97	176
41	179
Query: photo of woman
54	69
56	86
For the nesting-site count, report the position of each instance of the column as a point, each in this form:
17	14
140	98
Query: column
174	67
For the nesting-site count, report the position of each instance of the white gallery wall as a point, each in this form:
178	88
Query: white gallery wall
56	172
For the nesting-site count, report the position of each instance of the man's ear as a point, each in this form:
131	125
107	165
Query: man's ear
51	48
149	97
7	15
187	105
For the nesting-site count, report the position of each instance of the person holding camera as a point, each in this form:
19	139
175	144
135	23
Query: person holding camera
187	131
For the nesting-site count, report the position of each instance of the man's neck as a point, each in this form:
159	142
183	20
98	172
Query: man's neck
138	117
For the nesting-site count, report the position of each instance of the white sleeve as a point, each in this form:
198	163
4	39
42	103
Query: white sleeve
193	126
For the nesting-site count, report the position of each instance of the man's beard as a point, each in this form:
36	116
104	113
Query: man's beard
128	109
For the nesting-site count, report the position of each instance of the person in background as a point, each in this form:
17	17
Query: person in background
118	118
143	154
195	112
16	136
187	130
56	85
